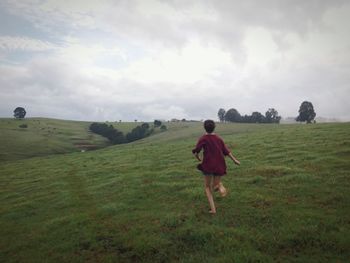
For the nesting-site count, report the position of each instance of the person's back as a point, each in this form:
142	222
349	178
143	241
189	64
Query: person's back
214	151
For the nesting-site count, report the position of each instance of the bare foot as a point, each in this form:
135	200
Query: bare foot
223	191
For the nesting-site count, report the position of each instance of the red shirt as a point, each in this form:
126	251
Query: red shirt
214	154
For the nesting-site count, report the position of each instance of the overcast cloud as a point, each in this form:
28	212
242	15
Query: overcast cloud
146	60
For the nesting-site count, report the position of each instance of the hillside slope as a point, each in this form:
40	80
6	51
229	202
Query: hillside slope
144	201
49	136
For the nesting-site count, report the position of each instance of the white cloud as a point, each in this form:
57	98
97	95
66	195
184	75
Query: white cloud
182	59
9	43
190	64
159	112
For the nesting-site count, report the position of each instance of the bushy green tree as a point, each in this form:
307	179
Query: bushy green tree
306	112
19	113
157	123
139	132
257	117
271	116
221	115
108	131
232	115
145	126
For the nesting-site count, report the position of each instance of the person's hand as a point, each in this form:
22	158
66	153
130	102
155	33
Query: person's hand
197	157
237	162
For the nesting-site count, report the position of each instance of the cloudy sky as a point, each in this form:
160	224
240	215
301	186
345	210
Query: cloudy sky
149	59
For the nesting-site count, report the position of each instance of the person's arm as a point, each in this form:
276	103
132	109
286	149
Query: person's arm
234	159
198	148
226	151
197	156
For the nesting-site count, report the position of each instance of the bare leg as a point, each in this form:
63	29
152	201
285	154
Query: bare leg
219	186
216	183
207	182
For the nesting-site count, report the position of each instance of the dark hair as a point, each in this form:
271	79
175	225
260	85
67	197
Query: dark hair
209	126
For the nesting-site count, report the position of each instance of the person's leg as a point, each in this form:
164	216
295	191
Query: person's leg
219	186
207	185
216	183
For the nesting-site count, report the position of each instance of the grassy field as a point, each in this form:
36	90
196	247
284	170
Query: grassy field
289	201
49	136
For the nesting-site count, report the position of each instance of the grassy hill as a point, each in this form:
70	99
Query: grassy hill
49	136
289	200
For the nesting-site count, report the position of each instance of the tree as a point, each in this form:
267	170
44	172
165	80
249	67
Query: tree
246	118
257	117
232	115
306	112
271	116
221	115
136	134
19	113
108	131
157	123
145	125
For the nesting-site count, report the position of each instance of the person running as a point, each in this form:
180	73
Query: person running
213	165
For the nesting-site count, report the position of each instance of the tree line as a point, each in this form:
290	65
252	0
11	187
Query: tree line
232	115
117	137
306	114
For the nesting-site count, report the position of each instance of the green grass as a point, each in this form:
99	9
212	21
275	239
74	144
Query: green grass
289	200
49	136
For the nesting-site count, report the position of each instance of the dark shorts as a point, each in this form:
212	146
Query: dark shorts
199	167
212	174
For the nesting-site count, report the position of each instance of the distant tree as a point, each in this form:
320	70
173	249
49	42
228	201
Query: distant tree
145	126
271	116
306	112
163	127
257	117
135	134
19	113
157	123
221	115
117	137
139	132
108	131
232	115
246	118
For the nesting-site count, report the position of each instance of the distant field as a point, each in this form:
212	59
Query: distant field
49	136
289	201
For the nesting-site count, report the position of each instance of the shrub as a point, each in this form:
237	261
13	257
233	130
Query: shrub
108	131
139	132
145	126
157	123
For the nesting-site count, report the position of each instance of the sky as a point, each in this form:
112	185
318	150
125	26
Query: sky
111	60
